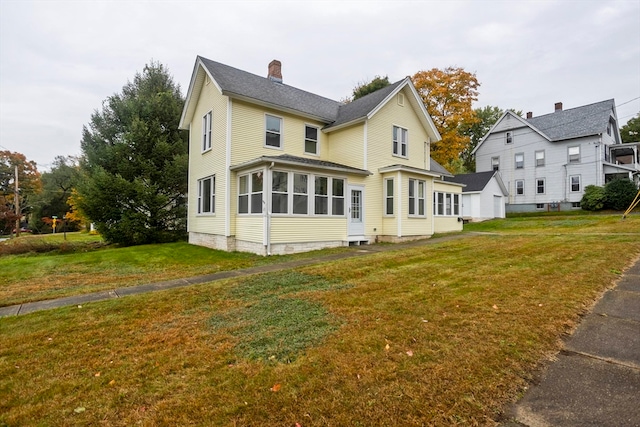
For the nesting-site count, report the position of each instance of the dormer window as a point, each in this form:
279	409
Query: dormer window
401	99
509	137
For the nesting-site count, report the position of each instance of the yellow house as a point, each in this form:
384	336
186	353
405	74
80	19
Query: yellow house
274	169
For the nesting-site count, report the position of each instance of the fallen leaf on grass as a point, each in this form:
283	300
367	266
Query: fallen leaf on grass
495	307
97	374
386	347
409	353
79	409
112	382
276	387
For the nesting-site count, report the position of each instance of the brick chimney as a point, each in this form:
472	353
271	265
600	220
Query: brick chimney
529	114
558	106
275	71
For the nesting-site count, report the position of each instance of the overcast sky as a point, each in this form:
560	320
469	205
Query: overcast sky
60	59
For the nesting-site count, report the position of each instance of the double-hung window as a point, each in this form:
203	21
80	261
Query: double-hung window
508	136
207	195
575	183
337	196
207	124
495	163
446	204
400	141
279	193
519	160
540	186
300	194
416	197
321	195
311	140
574	154
250	189
388	196
520	187
539	158
273	131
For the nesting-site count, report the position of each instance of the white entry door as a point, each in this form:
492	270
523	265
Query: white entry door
356	210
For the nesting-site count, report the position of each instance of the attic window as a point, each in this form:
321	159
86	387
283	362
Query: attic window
509	137
401	99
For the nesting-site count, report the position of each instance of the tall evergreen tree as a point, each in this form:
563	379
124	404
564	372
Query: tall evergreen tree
135	162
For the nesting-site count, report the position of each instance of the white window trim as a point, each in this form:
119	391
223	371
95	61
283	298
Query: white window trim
317	153
446	197
386	197
310	194
212	196
544	159
249	176
508	136
516	187
569	154
207	131
571	183
279	147
417	199
401	131
496	164
515	161
544	185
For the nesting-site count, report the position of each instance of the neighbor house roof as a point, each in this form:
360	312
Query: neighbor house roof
587	120
476	182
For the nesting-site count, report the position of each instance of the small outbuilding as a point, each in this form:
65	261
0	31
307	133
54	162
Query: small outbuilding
484	195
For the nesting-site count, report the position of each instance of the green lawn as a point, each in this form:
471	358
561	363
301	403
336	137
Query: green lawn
443	334
39	276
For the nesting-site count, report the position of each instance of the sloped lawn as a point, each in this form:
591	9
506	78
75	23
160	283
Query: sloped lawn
443	334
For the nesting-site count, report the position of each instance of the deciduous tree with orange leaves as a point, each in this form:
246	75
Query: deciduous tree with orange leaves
448	94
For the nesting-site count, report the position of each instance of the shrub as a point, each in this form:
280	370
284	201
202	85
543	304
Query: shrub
619	194
593	198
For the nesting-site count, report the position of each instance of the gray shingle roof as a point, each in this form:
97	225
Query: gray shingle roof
587	120
289	159
473	181
239	83
359	108
233	81
438	168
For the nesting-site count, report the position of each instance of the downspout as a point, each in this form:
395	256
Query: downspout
399	191
268	206
599	166
227	178
566	183
365	154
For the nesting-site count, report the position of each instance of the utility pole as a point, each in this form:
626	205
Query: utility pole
17	204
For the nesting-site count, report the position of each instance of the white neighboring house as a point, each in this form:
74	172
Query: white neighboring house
547	161
483	197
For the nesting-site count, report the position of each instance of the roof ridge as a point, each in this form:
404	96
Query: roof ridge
574	108
267	79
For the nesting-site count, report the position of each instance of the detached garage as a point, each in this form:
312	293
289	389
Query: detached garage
484	195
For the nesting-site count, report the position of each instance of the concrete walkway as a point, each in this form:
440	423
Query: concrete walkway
31	307
595	380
